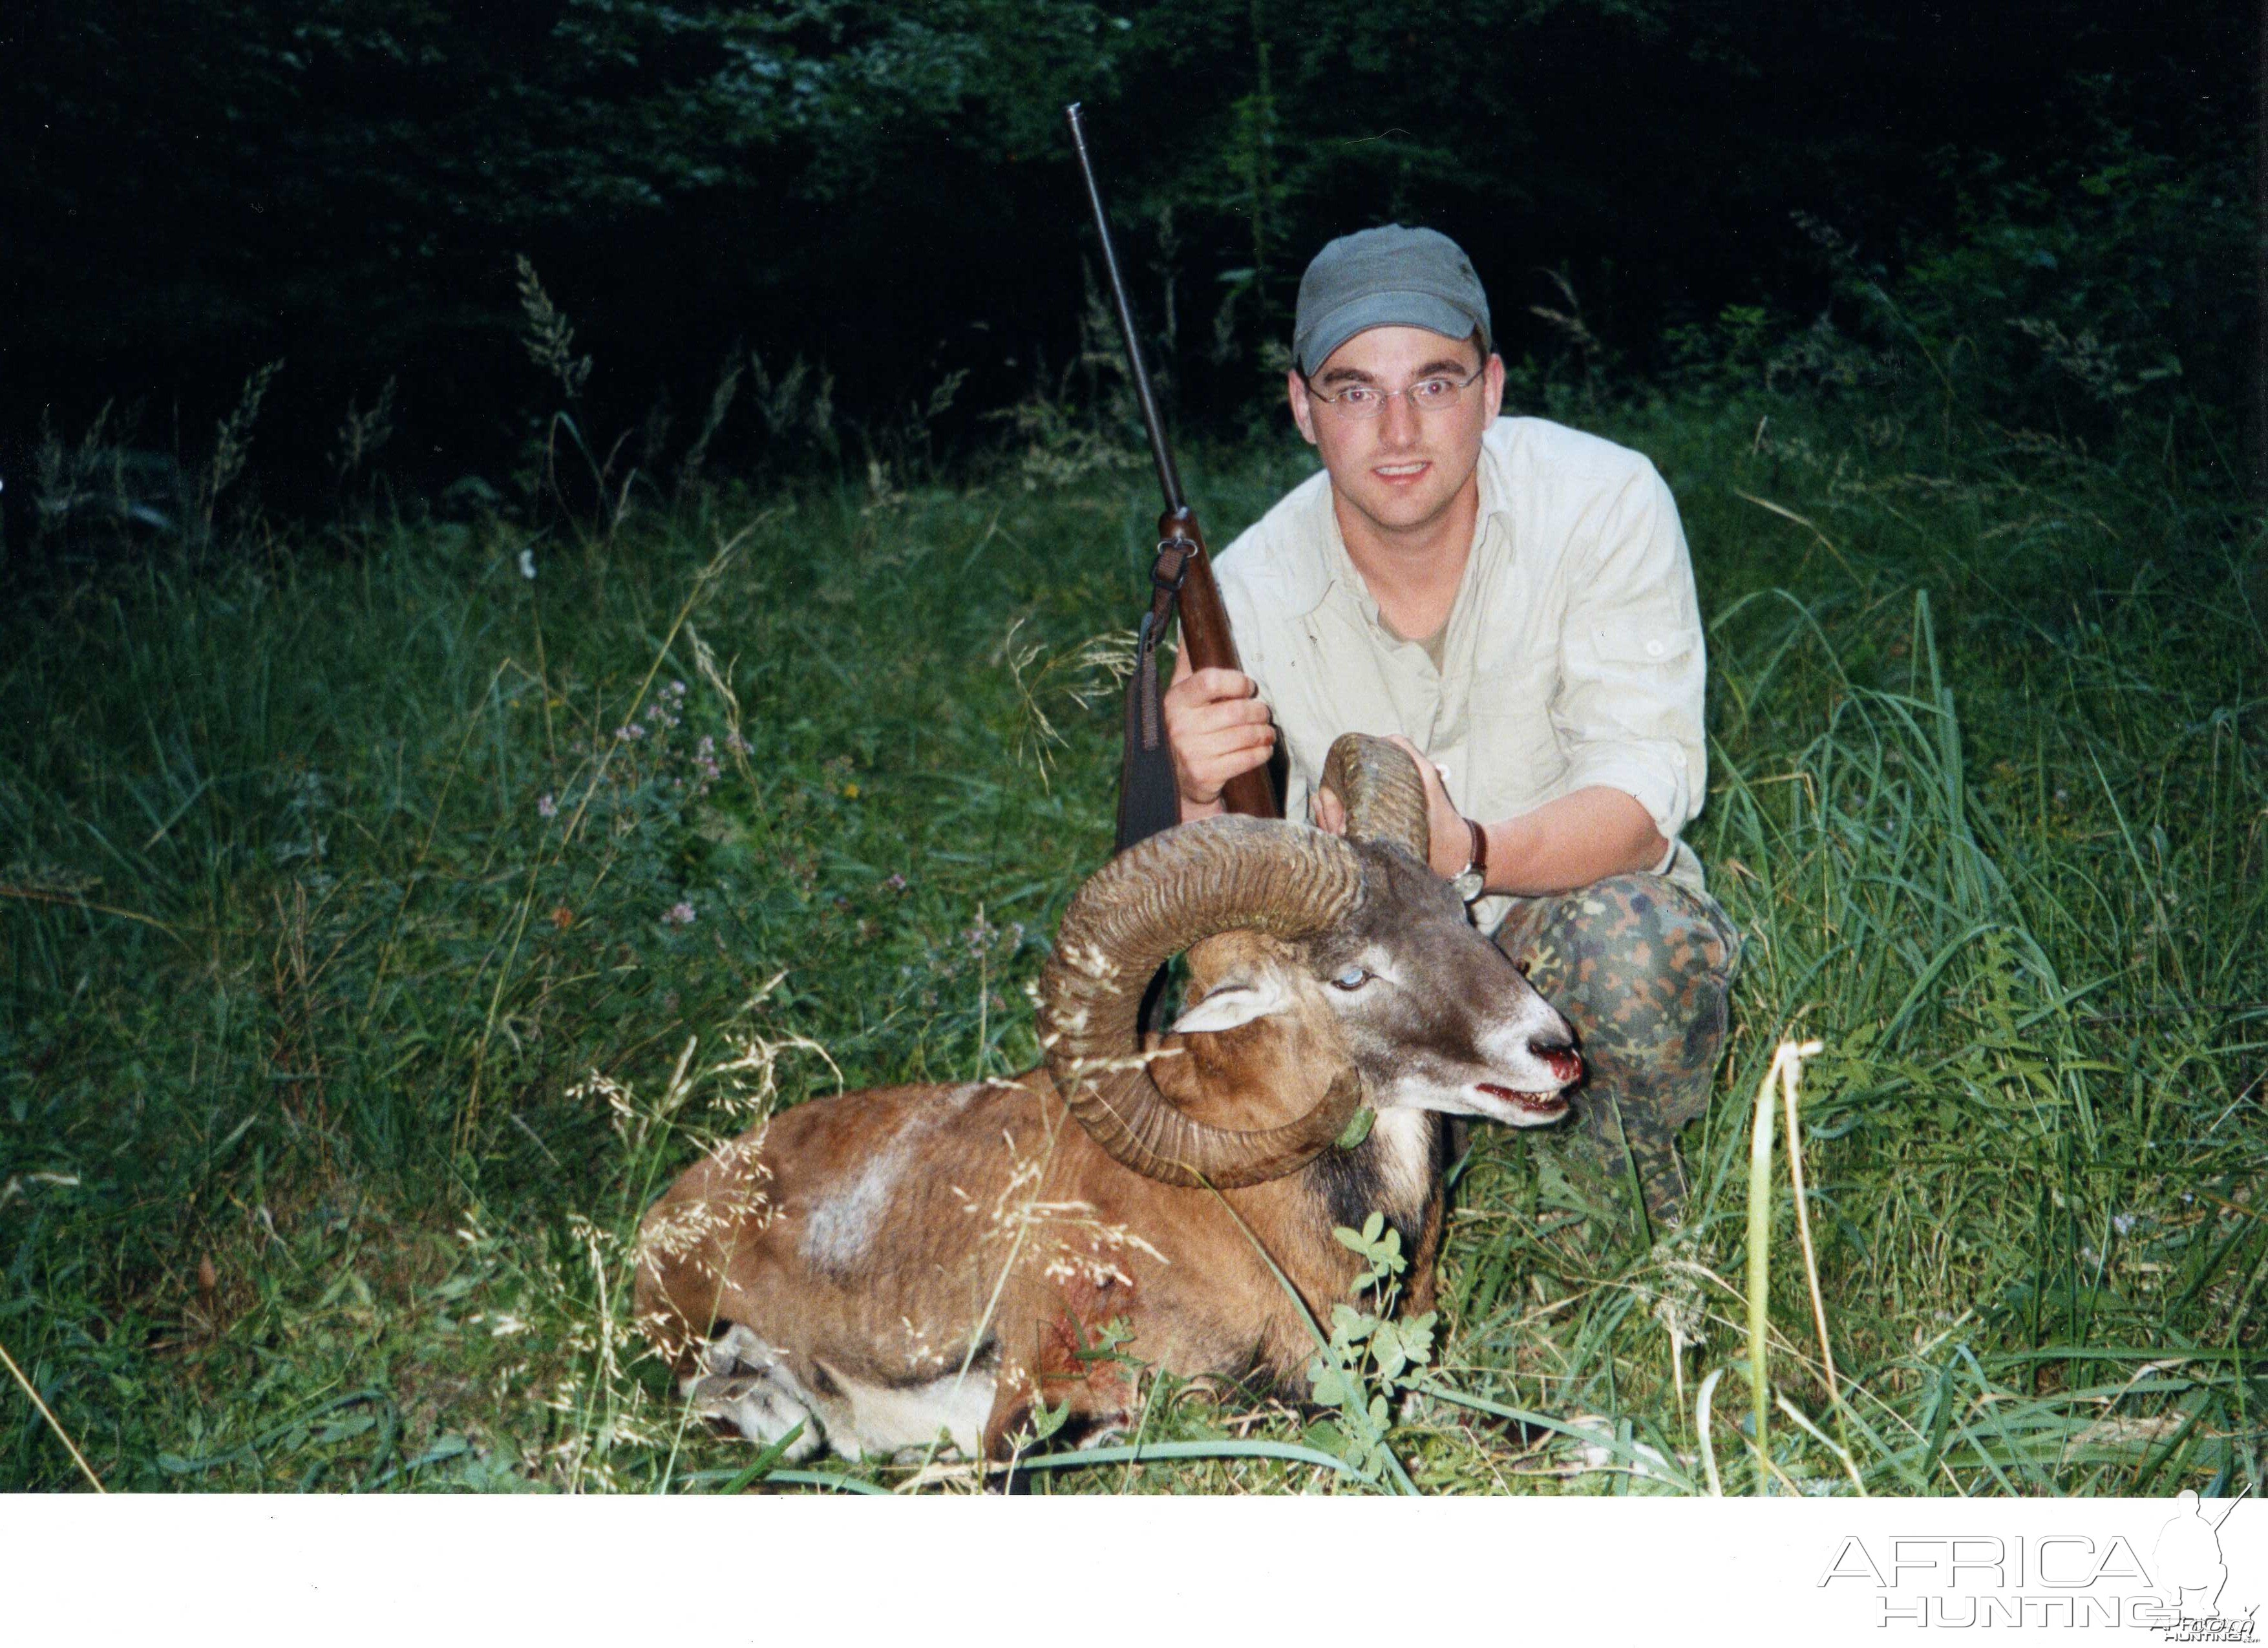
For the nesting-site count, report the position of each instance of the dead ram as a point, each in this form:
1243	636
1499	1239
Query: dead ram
885	1265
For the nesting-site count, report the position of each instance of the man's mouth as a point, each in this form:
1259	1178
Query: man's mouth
1400	473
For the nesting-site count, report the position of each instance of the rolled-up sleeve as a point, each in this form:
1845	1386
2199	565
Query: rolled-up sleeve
1633	661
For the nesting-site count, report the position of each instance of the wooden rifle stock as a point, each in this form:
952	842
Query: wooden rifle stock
1148	796
1206	641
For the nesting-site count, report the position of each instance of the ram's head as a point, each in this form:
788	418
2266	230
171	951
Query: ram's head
1356	961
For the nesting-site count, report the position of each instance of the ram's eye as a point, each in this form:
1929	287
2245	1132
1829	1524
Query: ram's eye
1353	978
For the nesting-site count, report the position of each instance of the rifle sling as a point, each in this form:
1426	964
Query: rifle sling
1149	797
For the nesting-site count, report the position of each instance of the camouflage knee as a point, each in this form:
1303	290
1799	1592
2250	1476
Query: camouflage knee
1642	967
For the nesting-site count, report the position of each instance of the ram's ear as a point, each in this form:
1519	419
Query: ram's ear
1238	999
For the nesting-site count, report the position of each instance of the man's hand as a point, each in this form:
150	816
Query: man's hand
1580	838
1451	843
1217	727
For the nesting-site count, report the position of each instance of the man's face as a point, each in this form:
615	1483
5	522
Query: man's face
1401	469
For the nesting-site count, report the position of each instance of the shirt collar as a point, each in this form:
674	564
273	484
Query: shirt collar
1335	570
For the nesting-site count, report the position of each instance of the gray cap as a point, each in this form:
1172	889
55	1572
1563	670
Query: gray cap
1389	277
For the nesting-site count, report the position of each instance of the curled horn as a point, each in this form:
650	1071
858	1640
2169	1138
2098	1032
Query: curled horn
1385	797
1145	906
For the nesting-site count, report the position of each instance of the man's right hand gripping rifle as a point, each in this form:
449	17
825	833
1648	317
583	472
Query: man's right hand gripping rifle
1217	726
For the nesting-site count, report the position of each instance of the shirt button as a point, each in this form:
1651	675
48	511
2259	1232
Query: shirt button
1653	649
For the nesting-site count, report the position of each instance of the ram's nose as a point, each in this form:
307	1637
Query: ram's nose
1559	1057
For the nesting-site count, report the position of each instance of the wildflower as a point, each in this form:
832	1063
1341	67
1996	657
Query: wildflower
681	913
546	806
677	689
630	729
896	882
737	744
850	792
2124	1223
527	564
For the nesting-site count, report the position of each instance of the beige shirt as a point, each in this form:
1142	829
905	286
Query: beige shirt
1572	657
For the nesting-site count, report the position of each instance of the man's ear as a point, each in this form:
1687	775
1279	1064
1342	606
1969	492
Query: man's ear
1238	999
1303	410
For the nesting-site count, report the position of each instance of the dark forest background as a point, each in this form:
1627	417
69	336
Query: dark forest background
2059	192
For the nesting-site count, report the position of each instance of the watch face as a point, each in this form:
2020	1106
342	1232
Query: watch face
1468	884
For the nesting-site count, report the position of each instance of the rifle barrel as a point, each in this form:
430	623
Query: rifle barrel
1169	482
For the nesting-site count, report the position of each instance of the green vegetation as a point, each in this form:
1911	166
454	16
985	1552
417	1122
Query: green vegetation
380	925
202	189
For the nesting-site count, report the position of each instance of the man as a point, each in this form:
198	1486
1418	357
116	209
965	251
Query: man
1513	601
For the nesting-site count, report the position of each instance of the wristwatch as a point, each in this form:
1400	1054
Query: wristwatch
1471	881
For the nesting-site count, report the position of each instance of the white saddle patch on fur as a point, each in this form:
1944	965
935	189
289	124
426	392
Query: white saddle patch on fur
842	1224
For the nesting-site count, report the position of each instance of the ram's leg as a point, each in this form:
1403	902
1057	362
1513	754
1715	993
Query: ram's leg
741	1382
1086	1392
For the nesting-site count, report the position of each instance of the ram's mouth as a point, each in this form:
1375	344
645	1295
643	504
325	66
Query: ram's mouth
1529	1108
1564	1063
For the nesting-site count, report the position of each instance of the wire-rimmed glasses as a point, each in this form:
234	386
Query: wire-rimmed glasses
1368	400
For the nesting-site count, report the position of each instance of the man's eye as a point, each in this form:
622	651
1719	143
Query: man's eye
1353	978
1357	395
1434	389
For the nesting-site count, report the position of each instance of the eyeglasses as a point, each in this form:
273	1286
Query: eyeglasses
1427	395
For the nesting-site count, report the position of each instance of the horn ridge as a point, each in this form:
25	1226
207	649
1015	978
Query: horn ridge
1145	906
1383	794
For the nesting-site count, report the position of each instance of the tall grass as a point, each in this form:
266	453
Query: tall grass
381	927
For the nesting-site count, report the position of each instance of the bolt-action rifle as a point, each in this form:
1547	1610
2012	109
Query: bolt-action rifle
1182	582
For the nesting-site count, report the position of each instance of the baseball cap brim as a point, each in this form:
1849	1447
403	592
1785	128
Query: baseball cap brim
1421	309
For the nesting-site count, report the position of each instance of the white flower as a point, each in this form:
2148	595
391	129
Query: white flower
527	564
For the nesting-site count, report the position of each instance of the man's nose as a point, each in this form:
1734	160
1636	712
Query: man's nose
1398	423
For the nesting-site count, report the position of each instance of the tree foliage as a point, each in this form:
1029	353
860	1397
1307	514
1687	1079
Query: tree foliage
197	188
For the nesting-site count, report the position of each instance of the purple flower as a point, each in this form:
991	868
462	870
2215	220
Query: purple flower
545	806
896	883
630	729
681	913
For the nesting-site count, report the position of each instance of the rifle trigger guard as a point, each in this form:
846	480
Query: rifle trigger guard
1184	553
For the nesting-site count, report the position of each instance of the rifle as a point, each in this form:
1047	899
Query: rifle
1182	578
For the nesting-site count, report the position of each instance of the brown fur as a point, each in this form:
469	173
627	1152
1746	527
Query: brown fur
1006	1233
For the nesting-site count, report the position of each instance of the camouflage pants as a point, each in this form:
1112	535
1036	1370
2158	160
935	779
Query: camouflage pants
1642	968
